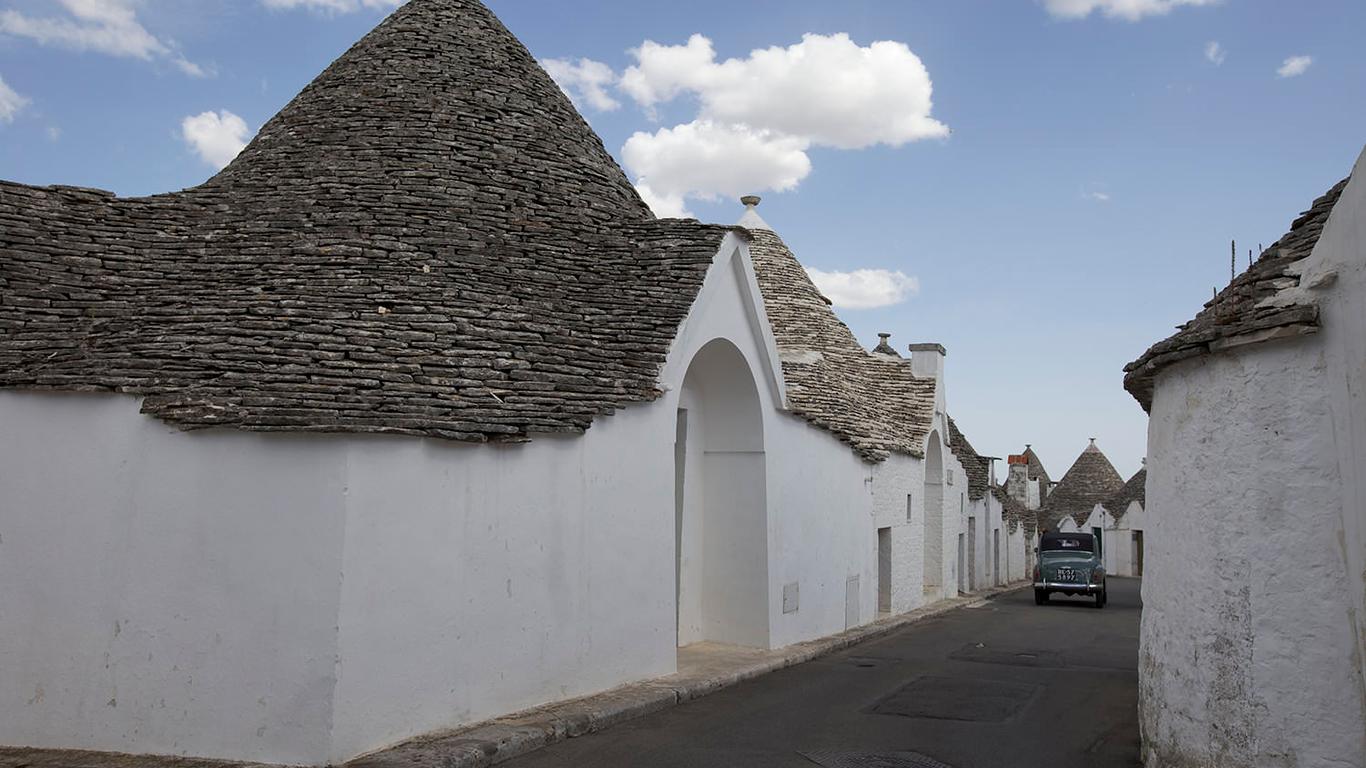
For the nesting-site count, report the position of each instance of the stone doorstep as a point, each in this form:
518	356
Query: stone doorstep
494	741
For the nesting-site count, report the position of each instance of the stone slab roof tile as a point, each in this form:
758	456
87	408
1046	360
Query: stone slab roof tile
1261	303
977	468
872	402
428	241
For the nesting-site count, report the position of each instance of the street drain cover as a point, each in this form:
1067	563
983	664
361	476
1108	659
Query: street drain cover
833	759
946	698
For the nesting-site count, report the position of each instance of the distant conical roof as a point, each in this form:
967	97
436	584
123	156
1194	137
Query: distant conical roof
1134	490
441	102
1036	470
1091	480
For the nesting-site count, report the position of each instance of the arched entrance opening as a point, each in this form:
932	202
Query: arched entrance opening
720	503
934	518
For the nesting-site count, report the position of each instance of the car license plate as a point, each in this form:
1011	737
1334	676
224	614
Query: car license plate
1067	574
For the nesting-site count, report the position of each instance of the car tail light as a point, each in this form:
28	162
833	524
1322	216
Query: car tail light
1036	573
1097	575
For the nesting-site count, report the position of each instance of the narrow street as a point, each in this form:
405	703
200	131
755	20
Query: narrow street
1004	685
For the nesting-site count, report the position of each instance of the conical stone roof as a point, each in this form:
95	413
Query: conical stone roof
442	103
871	402
1036	470
1091	480
428	240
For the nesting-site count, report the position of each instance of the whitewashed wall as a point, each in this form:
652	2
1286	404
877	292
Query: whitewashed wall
894	480
1252	636
163	591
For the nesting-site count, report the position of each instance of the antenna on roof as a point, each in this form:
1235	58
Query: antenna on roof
1232	259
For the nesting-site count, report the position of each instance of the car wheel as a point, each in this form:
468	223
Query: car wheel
1040	597
1100	599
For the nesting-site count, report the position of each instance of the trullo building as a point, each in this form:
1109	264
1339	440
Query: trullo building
414	415
1254	625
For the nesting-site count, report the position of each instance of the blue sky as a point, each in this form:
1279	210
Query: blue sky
1096	166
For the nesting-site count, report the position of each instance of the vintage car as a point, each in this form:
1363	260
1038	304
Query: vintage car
1069	563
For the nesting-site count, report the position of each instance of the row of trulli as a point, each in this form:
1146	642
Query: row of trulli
298	462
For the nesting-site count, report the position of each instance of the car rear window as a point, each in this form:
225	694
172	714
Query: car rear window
1081	543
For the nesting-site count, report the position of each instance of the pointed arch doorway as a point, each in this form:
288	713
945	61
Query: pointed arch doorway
720	503
934	519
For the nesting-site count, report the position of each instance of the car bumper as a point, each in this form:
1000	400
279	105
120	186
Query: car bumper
1057	586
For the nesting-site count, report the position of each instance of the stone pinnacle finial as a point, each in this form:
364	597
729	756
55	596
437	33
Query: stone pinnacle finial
884	336
1093	442
750	201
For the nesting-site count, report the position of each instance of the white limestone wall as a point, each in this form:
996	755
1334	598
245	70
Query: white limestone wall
479	580
165	592
894	480
1248	649
1341	251
822	532
956	512
1018	558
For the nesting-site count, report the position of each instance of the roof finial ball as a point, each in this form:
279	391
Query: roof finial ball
750	201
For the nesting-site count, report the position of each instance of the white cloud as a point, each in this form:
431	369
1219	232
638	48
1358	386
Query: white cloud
1294	66
705	159
864	288
664	206
1215	53
584	81
103	26
333	6
758	115
1100	197
54	134
216	136
1129	10
10	102
825	89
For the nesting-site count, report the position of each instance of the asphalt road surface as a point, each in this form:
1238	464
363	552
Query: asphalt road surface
1005	685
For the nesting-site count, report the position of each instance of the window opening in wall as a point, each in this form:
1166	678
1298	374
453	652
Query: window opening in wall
884	570
908	507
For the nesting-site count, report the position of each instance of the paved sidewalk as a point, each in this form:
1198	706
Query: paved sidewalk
703	669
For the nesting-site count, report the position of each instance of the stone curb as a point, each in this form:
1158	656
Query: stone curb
504	738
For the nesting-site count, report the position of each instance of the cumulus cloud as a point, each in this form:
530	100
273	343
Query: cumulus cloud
1294	66
217	137
864	288
826	89
333	6
664	206
1129	10
104	26
757	116
585	81
1215	53
1100	197
10	102
705	159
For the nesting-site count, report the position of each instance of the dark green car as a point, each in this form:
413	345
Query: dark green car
1069	563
